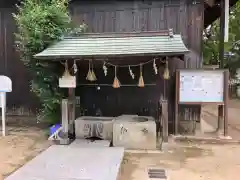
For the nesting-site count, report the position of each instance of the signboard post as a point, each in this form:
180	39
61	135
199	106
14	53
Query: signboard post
3	107
68	108
5	86
201	86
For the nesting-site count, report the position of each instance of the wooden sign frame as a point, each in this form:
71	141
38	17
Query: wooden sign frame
223	106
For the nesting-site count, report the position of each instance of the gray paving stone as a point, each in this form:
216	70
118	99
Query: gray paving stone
72	163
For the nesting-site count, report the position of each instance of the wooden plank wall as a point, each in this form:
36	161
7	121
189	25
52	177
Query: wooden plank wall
184	17
21	100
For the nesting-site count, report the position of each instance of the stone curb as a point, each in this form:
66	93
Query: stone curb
206	140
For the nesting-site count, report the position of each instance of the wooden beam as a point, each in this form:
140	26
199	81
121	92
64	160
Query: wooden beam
210	2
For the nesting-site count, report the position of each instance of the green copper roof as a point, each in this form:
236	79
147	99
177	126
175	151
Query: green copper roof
92	46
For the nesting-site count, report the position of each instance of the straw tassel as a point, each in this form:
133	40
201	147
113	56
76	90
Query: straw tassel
66	72
116	83
166	75
89	74
141	81
93	74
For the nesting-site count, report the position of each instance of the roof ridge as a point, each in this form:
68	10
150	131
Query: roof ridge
99	37
123	34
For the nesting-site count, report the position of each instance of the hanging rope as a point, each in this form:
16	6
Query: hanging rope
133	65
91	76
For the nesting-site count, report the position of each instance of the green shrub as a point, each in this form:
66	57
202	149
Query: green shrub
40	23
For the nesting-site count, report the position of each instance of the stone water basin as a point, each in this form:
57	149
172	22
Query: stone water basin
134	132
92	126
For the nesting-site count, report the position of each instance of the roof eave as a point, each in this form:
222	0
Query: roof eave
115	45
64	57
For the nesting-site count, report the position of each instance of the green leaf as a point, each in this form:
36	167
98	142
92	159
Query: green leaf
41	23
211	40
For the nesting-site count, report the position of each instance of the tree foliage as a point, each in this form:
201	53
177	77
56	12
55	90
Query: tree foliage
211	40
40	23
234	29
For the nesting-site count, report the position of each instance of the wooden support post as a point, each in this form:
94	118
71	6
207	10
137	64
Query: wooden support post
220	118
221	35
176	103
158	122
221	56
165	120
71	109
226	97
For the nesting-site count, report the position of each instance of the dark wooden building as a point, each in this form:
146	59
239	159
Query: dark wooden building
185	17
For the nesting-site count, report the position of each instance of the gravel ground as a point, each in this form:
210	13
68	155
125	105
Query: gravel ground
192	162
210	112
19	146
181	161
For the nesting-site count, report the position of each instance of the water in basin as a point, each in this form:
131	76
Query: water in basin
139	119
86	118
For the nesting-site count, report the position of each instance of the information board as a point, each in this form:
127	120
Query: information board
201	86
